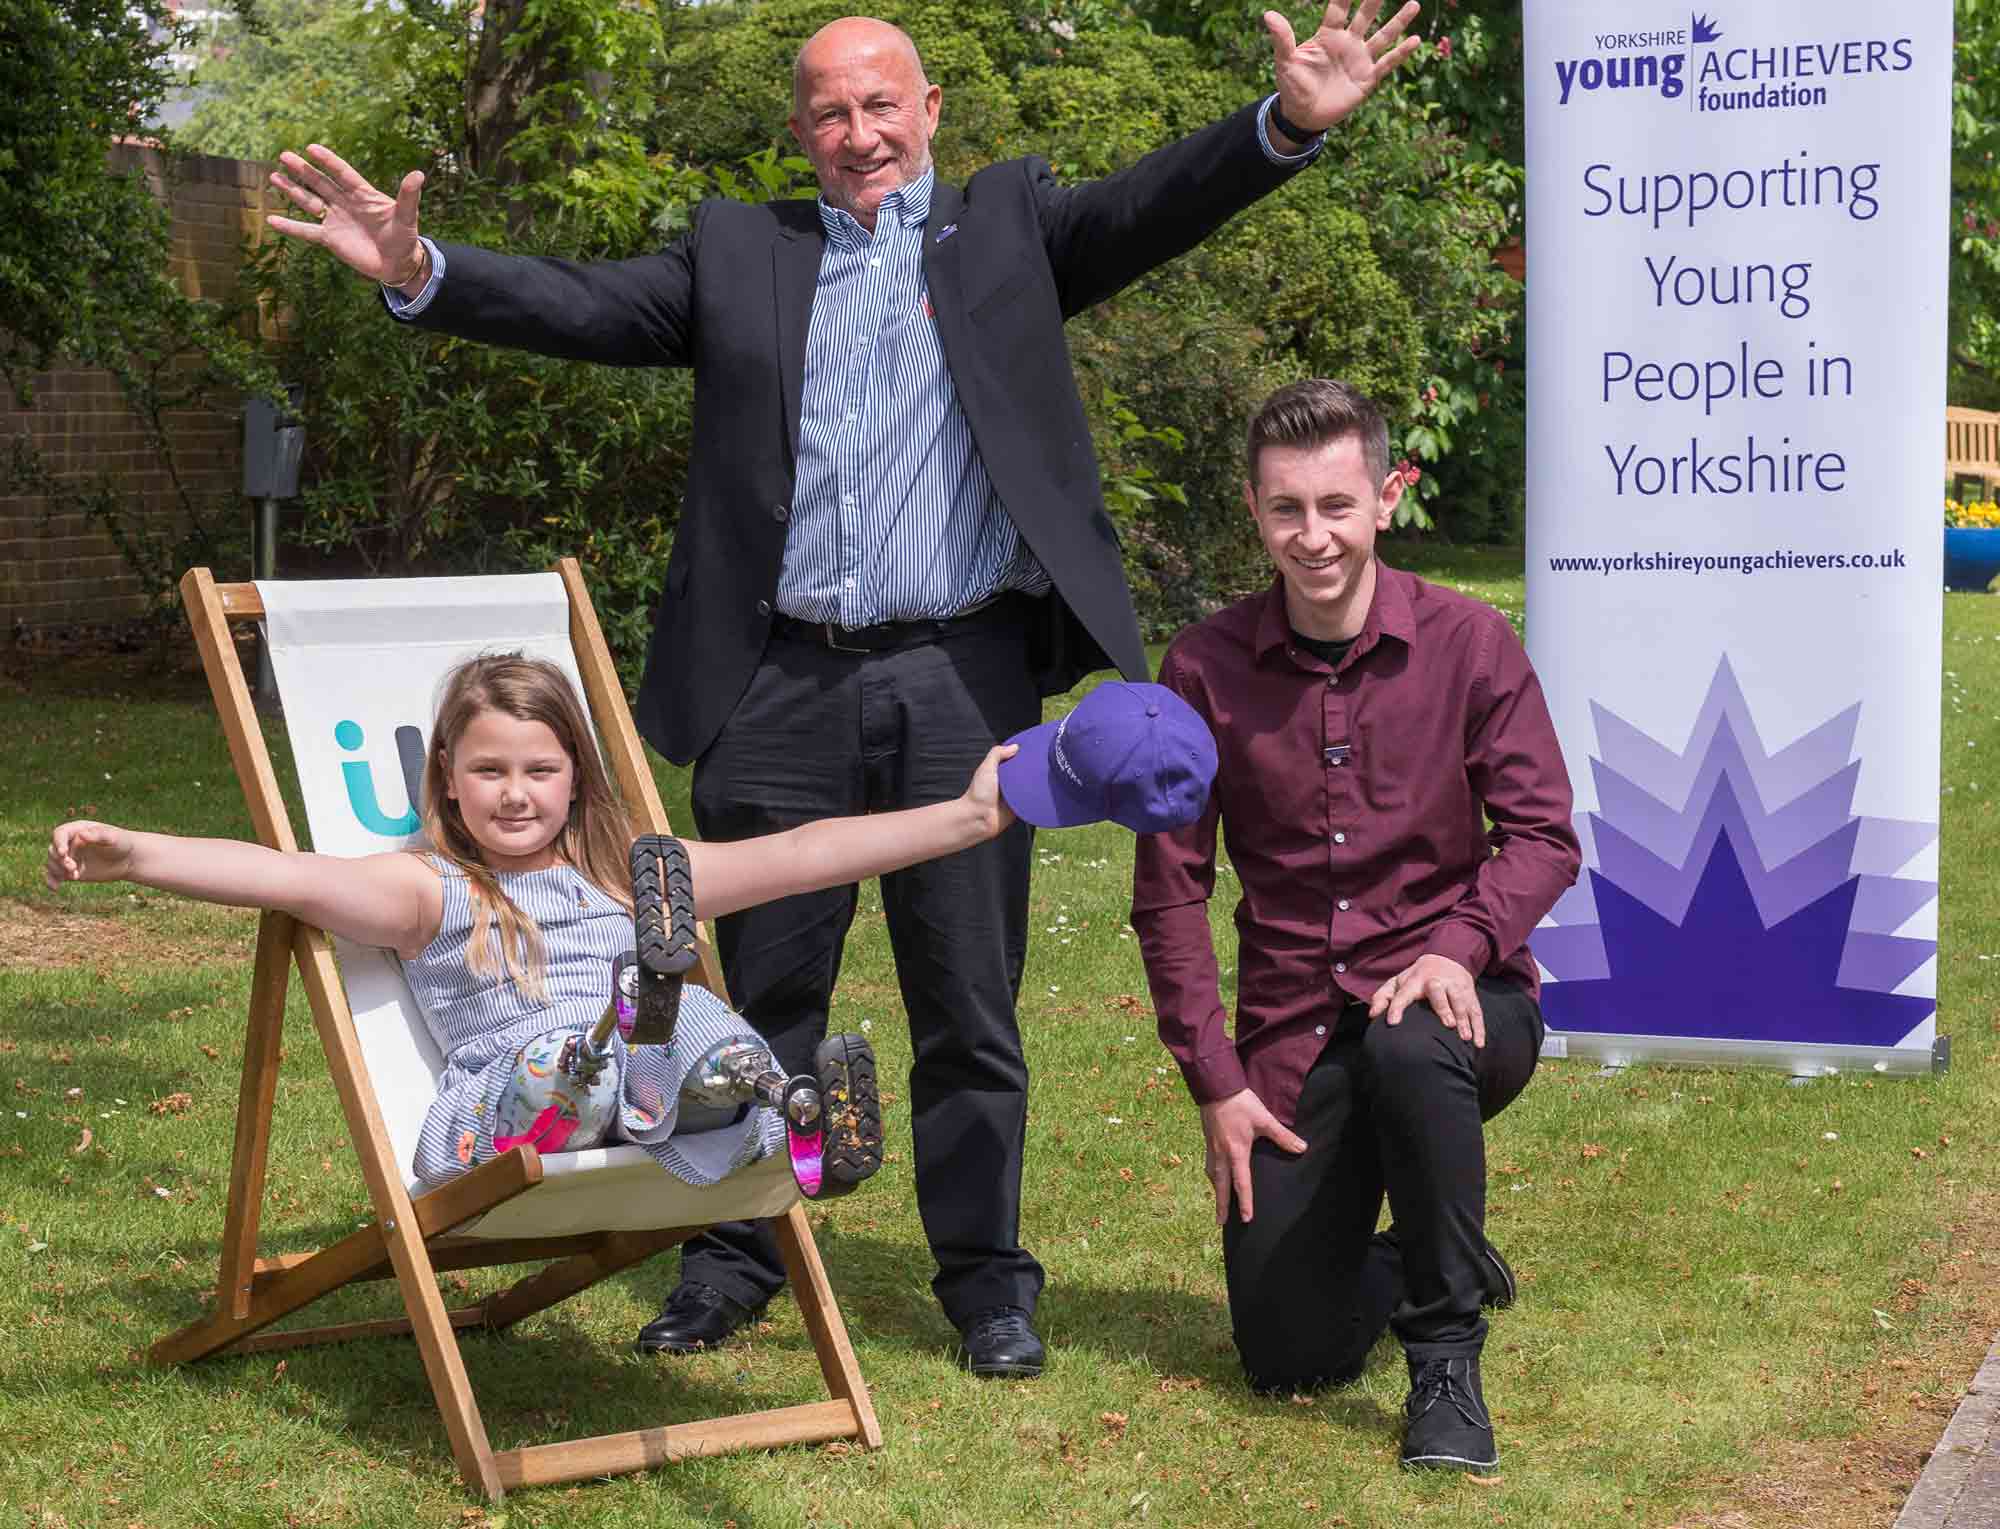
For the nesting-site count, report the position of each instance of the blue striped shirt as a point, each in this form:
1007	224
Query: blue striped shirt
893	515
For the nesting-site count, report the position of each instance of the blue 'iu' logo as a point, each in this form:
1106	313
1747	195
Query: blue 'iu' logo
361	785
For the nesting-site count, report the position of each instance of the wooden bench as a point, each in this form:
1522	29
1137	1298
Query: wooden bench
1971	452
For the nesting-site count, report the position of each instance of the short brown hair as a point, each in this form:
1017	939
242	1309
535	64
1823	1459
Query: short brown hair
1318	412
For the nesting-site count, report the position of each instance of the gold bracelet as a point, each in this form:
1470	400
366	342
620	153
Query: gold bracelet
423	259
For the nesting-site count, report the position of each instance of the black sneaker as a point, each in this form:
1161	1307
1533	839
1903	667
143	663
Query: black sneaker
663	933
999	1344
1449	1426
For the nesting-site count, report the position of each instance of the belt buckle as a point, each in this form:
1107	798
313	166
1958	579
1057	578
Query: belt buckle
828	628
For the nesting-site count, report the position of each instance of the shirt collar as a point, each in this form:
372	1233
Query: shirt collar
1389	615
909	204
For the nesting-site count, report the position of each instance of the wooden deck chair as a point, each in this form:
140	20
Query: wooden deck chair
358	664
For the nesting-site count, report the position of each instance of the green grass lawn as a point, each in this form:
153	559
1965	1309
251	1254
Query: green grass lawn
1729	1285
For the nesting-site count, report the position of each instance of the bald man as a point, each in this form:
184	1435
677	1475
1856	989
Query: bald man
893	545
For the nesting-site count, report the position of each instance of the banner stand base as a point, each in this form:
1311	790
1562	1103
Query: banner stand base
1803	1059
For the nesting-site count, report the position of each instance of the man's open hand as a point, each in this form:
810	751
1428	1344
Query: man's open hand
1333	71
1231	1126
1442	983
363	228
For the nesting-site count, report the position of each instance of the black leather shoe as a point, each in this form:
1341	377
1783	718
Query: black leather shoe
1449	1426
998	1344
696	1317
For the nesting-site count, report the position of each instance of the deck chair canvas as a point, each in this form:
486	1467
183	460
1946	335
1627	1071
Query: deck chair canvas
358	664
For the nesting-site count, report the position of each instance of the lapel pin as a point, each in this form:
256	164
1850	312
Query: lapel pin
946	232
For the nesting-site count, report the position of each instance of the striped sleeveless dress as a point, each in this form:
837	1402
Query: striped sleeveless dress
480	1023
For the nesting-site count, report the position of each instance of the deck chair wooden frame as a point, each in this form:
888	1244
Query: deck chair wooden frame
410	1240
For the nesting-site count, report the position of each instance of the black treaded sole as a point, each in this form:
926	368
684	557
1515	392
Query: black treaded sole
852	1106
663	934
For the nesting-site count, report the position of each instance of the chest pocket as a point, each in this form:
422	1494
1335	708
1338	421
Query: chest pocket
1001	298
1382	768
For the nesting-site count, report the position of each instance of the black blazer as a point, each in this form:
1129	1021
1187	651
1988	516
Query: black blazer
732	297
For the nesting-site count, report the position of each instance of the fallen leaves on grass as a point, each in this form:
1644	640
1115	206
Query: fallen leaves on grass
172	1104
82	1145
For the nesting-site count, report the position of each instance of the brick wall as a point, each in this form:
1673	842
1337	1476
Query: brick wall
65	571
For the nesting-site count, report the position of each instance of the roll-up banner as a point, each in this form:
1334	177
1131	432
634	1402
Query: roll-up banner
1737	223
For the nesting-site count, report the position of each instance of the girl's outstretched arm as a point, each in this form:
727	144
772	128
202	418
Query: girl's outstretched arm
391	900
835	851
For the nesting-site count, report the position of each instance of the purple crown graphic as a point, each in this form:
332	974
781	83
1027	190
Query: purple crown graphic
1705	29
1731	891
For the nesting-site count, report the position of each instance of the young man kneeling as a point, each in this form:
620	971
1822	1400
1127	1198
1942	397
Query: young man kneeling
1370	727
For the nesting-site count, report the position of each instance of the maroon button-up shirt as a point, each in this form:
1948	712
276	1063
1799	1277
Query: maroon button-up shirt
1353	802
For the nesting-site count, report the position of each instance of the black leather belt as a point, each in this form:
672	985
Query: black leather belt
884	636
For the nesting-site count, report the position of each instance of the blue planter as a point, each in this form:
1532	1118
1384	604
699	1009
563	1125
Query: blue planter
1971	556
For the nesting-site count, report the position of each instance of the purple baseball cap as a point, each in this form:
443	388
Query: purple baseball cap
1136	754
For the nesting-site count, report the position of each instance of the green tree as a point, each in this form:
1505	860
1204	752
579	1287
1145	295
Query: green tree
286	72
1973	378
530	121
83	261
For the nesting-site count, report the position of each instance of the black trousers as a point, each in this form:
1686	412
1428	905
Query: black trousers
1387	1109
822	733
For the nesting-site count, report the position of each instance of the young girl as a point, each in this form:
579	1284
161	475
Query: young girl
508	924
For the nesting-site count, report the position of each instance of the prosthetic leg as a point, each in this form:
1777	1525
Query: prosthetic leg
563	1095
833	1115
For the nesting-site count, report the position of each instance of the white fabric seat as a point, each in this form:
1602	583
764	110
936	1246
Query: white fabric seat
359	662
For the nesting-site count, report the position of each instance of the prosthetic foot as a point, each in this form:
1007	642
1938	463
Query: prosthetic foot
833	1115
663	930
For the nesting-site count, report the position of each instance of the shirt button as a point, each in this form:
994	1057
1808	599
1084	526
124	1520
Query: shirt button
763	607
1340	966
1343	905
847	499
1331	682
876	261
852	416
1340	838
781	512
1319	1029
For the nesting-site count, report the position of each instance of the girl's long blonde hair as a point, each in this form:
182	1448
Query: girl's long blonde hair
596	839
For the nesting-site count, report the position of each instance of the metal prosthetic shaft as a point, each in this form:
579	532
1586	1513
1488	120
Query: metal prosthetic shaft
740	1072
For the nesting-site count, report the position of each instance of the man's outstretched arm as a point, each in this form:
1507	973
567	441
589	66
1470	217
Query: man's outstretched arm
1104	234
620	312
